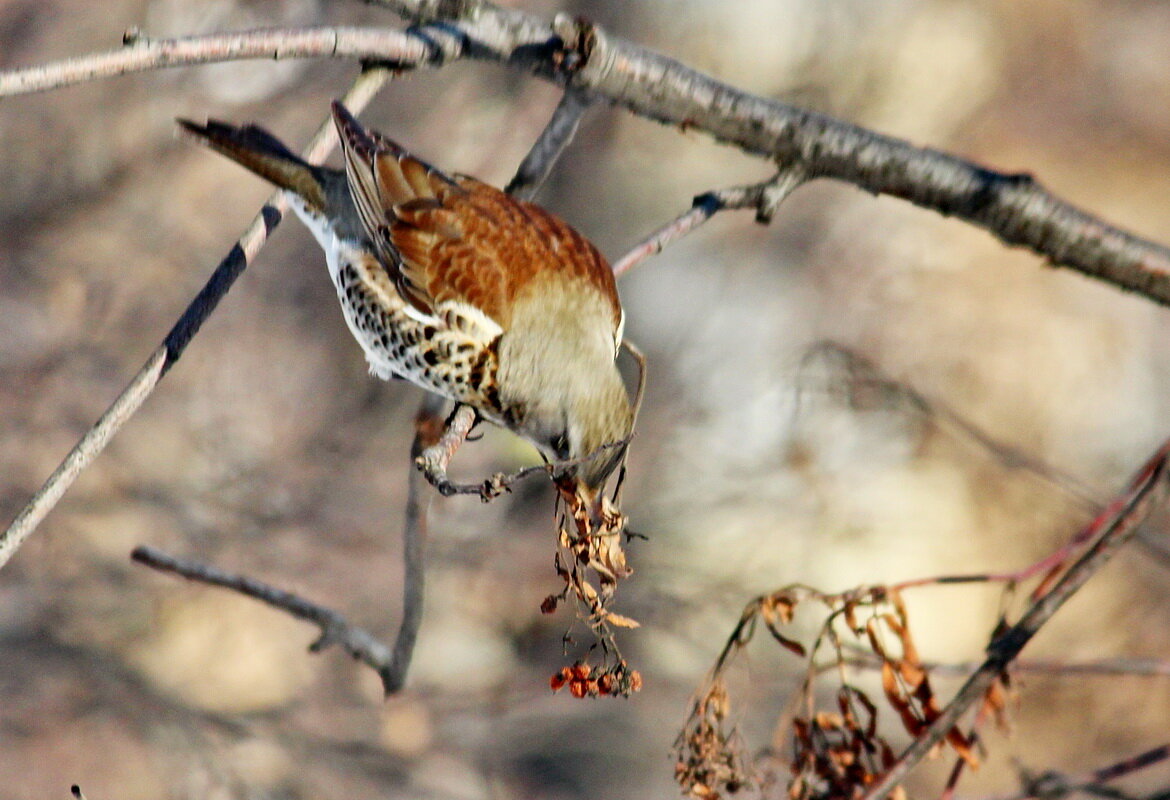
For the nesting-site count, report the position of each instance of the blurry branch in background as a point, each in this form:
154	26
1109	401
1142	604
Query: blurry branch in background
335	630
164	357
1106	667
428	426
865	385
1054	785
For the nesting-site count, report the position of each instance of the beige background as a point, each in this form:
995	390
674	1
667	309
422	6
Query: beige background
269	450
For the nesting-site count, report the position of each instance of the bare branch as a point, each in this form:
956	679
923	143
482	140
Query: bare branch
553	140
764	197
141	54
133	396
335	630
1111	529
1132	764
391	665
434	459
82	454
1049	784
1014	207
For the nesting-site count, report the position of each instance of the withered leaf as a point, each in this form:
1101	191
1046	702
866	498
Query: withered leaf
621	621
791	645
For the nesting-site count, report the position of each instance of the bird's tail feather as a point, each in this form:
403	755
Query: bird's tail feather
259	151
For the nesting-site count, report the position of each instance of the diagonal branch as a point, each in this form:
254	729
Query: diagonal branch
1112	528
764	197
553	140
164	357
335	630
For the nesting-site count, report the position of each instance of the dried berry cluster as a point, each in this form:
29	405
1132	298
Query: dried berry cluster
585	681
709	760
835	753
591	561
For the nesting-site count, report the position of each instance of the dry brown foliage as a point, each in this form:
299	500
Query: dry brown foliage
838	749
590	560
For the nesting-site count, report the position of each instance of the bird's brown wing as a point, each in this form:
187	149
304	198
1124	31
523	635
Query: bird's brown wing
456	242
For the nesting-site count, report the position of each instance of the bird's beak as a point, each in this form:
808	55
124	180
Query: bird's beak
579	496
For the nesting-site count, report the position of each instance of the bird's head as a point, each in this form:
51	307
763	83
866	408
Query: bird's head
557	374
584	420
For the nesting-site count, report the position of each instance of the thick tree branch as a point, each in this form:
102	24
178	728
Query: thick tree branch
1014	207
143	384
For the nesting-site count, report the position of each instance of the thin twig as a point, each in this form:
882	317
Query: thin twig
764	197
83	453
1107	667
140	54
165	356
549	146
434	459
1112	528
335	630
1050	784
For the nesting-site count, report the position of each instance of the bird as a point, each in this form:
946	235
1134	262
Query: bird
463	290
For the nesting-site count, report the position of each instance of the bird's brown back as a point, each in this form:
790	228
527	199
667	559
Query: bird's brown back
456	239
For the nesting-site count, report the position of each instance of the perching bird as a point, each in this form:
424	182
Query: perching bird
463	290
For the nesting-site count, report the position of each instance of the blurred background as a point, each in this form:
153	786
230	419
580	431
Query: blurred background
764	455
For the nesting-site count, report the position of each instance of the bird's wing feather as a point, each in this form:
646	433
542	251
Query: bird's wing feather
453	242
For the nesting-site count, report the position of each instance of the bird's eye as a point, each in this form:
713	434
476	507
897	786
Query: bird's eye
560	445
